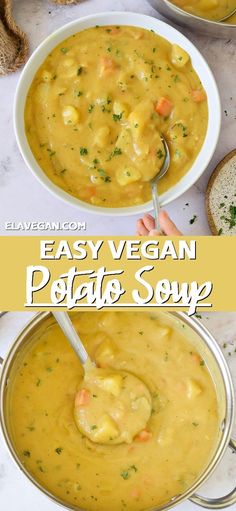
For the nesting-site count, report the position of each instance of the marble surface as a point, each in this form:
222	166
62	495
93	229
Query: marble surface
16	492
23	198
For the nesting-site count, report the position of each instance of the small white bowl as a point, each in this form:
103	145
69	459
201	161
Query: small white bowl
137	20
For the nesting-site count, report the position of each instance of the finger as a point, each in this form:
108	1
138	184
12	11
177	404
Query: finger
167	226
142	231
149	222
154	232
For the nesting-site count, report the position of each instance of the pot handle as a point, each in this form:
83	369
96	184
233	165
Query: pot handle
221	502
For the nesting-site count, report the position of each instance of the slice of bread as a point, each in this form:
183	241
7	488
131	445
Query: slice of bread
221	197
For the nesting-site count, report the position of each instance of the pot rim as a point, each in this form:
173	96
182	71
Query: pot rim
227	423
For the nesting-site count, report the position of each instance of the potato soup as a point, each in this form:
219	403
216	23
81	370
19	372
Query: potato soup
98	105
213	10
163	460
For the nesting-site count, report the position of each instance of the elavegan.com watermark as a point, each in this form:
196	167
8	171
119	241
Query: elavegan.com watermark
45	226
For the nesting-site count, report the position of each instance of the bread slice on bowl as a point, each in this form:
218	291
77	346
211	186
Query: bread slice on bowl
221	197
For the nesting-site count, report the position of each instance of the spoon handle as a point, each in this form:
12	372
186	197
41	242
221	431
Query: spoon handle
67	327
156	206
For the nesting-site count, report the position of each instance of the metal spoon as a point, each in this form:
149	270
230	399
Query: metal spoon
67	327
154	181
227	16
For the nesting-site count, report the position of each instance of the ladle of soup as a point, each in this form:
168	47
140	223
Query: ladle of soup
111	406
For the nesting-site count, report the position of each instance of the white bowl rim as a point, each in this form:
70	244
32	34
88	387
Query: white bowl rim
123	18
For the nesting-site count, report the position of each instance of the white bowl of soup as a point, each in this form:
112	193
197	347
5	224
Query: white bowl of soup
184	438
88	116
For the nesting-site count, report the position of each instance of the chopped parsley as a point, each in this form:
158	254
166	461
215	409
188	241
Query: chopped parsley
83	151
90	108
64	50
51	153
26	454
79	71
58	450
160	154
104	175
184	128
192	220
117	117
116	152
31	428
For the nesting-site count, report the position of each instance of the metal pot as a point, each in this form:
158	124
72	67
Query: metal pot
206	346
201	25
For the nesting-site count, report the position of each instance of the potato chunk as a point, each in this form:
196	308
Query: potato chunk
105	352
111	384
140	117
193	389
46	76
126	176
106	430
165	436
179	57
121	109
102	136
70	115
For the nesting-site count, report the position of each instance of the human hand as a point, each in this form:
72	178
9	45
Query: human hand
146	226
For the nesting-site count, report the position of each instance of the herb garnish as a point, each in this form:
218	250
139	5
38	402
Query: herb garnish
126	474
117	117
104	175
116	152
232	216
58	450
83	151
192	220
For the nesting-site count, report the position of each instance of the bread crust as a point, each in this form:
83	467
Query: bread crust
210	185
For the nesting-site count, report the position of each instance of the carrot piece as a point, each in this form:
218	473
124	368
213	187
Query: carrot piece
135	493
107	65
88	192
164	107
198	95
115	30
82	398
196	358
143	436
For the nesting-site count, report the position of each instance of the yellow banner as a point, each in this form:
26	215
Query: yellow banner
181	273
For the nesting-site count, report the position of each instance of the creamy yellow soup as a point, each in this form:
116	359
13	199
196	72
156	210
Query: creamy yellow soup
162	461
98	105
213	10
